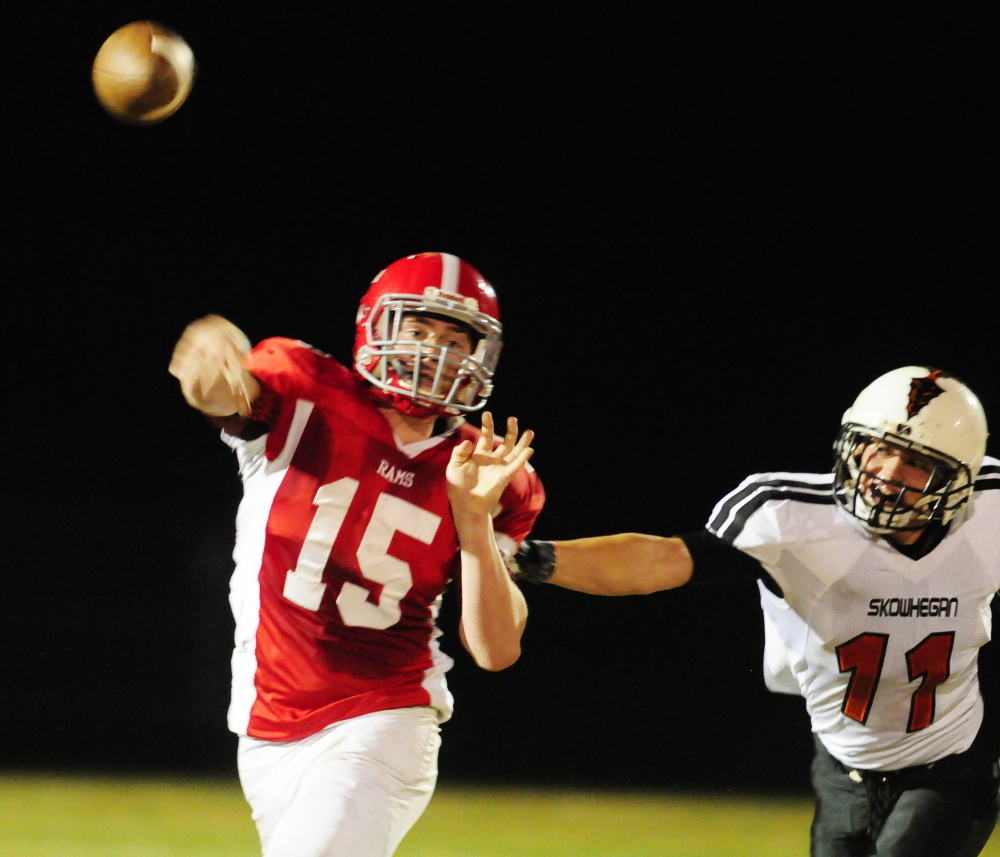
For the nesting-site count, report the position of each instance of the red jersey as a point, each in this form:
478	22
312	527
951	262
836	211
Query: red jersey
345	544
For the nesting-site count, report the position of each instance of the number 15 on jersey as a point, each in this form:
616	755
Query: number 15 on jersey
304	584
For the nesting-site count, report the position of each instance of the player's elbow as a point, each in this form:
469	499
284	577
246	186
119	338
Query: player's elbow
665	564
491	653
498	657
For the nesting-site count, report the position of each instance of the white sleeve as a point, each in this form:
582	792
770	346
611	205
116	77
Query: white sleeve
249	453
745	519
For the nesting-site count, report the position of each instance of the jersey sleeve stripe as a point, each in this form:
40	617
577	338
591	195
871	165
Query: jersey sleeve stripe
747	491
735	510
988	478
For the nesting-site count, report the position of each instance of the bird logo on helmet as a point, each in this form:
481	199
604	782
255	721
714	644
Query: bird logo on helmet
921	412
423	378
923	391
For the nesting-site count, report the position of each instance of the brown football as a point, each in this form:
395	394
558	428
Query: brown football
143	73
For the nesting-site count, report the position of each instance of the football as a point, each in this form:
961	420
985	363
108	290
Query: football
143	73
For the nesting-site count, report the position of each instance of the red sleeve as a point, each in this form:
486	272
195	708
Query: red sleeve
292	369
283	368
520	504
288	370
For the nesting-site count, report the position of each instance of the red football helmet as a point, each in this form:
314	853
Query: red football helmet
423	378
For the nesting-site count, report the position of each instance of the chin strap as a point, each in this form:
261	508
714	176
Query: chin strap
535	561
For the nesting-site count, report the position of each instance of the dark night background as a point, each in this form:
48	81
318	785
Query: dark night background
709	225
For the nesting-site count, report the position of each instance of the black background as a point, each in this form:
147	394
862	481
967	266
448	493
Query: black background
709	225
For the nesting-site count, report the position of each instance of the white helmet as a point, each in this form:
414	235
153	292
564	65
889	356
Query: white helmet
926	411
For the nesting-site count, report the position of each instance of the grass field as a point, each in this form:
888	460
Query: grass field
81	817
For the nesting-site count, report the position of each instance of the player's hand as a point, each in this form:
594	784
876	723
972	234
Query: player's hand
208	361
477	473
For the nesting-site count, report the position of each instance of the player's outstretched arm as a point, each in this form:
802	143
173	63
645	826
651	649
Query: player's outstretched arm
622	564
494	611
208	361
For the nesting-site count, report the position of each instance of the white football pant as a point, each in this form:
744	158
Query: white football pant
352	790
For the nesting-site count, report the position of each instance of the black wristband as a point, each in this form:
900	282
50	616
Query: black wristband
535	561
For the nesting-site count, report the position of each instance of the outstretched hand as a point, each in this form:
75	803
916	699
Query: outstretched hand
477	473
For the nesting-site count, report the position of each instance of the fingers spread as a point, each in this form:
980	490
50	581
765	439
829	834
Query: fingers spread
510	446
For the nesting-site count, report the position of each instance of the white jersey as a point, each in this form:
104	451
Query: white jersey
884	648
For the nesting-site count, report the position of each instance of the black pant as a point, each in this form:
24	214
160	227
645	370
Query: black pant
947	809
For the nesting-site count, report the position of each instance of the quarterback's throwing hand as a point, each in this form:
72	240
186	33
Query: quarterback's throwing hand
208	361
477	474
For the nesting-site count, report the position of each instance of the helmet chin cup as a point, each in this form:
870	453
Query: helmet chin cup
409	406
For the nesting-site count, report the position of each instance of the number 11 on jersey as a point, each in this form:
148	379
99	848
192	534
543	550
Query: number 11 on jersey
864	656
